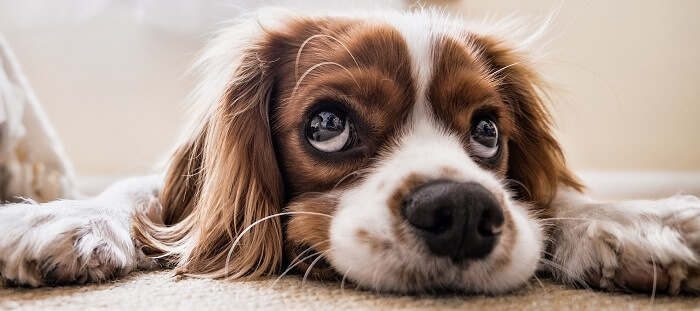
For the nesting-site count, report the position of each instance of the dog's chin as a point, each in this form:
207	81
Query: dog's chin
374	257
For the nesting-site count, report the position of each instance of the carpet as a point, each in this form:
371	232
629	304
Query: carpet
160	290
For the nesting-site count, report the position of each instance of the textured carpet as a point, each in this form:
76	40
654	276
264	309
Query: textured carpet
160	290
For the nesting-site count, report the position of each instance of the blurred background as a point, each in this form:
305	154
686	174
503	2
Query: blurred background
111	76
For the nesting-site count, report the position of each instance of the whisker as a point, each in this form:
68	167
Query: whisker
375	279
563	271
541	285
655	280
311	248
295	263
240	235
495	73
296	86
353	173
342	282
521	185
308	270
292	267
607	83
653	287
566	218
296	62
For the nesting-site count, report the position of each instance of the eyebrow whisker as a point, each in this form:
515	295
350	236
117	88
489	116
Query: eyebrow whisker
296	62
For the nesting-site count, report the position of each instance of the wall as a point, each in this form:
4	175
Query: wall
627	77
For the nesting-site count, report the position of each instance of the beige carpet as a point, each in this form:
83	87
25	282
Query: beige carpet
160	291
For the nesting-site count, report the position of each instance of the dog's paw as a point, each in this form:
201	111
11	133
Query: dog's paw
636	245
63	242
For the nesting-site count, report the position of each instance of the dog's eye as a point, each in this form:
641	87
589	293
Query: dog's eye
484	138
329	130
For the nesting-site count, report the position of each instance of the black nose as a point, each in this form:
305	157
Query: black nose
459	220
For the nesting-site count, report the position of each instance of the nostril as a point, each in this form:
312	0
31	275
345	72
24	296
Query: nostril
435	219
490	222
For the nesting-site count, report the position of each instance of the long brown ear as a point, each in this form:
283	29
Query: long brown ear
535	158
225	177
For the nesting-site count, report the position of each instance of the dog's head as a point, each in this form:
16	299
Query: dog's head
405	152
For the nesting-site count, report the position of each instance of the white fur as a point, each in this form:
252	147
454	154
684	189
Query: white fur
75	241
659	237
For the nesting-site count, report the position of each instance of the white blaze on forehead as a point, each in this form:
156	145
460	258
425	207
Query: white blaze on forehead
417	31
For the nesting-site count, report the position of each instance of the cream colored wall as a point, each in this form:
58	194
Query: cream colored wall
113	89
628	75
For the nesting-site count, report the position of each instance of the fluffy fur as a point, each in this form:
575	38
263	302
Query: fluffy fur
247	195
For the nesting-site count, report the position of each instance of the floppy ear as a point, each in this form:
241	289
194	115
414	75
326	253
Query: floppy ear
224	177
535	158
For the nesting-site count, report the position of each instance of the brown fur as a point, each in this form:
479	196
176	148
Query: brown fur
308	234
461	89
374	90
229	174
217	186
535	157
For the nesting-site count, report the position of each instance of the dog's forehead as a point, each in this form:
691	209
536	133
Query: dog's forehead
420	38
389	72
414	50
448	71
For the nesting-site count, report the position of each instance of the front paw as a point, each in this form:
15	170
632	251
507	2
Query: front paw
61	243
637	245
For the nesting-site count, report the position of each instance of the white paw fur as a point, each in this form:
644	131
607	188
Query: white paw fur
633	245
72	241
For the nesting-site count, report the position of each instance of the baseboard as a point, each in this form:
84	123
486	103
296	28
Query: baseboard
641	184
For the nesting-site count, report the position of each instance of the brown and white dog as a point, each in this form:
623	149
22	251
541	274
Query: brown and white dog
405	152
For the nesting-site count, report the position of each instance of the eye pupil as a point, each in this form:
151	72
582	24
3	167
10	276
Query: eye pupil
486	133
484	138
330	130
325	125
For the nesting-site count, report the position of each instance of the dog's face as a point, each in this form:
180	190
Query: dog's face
407	151
399	131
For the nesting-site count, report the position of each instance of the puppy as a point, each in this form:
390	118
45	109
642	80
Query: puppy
404	152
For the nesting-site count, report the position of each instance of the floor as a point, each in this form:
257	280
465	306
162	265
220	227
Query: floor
160	290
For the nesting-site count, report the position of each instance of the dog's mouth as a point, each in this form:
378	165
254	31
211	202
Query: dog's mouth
445	227
428	234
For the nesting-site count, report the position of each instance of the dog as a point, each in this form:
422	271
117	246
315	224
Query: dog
404	152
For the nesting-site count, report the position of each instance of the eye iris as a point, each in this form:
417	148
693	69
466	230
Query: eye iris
330	130
486	133
325	125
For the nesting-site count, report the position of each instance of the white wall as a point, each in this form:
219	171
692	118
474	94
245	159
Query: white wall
627	75
112	82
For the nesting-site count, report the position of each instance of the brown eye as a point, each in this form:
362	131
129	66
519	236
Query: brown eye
484	138
329	130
